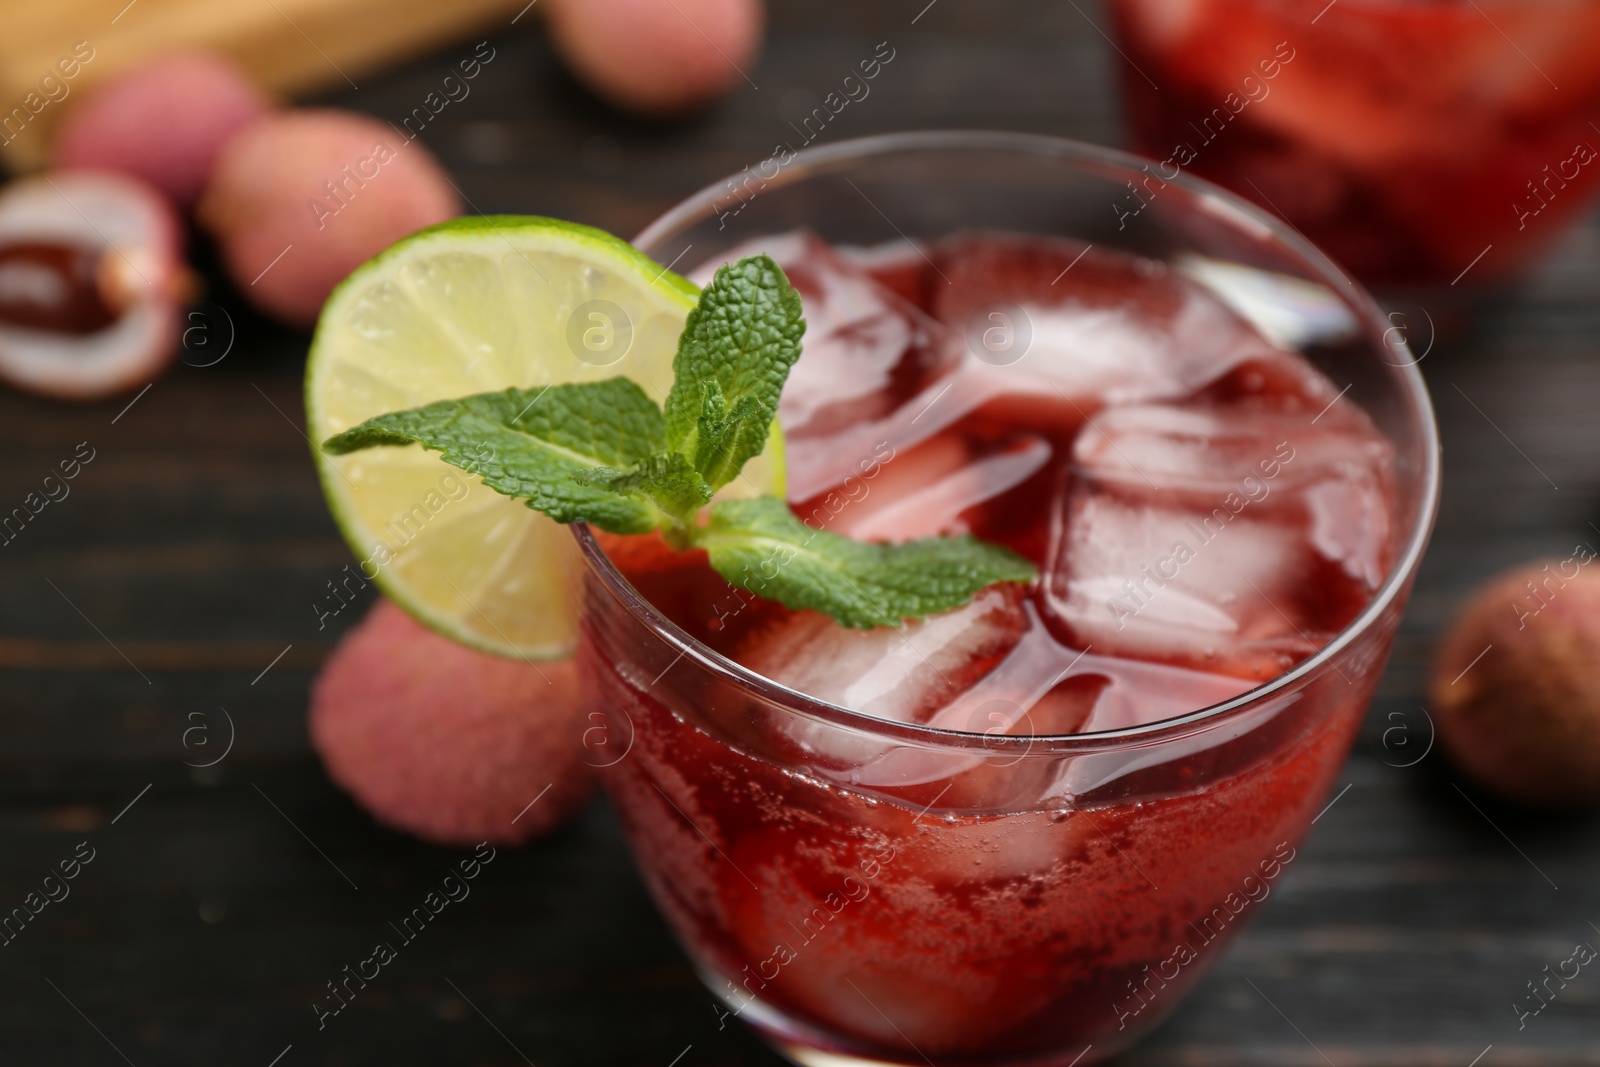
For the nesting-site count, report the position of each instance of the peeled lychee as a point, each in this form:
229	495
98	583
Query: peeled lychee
91	283
1516	689
300	199
656	57
164	121
448	743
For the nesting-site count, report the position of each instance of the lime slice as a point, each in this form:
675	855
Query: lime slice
466	307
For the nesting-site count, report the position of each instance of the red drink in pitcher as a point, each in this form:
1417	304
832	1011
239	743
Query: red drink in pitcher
1205	511
1415	142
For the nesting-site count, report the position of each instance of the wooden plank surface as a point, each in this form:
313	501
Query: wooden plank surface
192	547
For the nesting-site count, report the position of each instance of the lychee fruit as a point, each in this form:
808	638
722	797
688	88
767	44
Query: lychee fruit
301	198
1516	687
657	58
448	743
92	282
164	121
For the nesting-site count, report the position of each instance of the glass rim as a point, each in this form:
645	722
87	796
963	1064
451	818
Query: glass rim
1241	213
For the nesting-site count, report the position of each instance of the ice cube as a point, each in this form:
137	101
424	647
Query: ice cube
1135	693
927	491
866	347
888	486
1090	328
866	351
982	269
1349	520
902	674
1021	695
1330	474
1209	452
1080	329
900	266
1178	586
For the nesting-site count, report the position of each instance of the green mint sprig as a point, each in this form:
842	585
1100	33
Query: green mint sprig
603	453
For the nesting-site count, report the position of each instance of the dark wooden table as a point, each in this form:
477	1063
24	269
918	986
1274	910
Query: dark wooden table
179	577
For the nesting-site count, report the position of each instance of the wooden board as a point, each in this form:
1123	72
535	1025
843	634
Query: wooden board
54	50
197	543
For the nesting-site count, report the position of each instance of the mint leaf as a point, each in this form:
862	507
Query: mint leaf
724	438
604	453
760	545
744	336
666	479
530	443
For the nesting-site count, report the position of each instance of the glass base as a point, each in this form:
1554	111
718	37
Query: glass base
807	1056
803	1044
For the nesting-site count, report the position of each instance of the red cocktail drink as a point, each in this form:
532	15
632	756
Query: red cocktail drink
1406	139
1024	827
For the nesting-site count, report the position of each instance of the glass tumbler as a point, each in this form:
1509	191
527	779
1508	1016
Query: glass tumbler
993	899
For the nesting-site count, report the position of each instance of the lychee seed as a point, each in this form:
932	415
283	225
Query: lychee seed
91	283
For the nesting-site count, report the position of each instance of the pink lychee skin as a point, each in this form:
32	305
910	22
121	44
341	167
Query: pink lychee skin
658	58
284	251
446	742
1516	686
163	121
